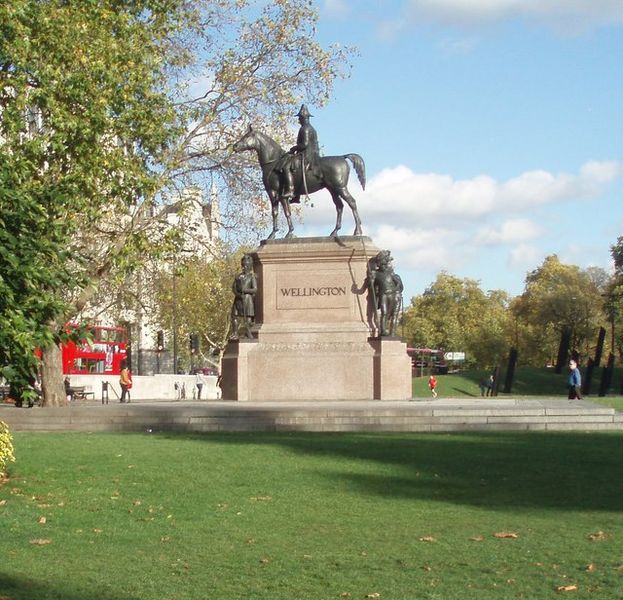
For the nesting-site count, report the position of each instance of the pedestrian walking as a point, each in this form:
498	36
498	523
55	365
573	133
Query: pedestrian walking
574	381
432	385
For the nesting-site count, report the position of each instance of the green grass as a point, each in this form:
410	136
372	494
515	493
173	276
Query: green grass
312	516
528	381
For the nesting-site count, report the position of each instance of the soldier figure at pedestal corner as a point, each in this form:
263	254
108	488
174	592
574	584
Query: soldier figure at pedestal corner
386	288
243	308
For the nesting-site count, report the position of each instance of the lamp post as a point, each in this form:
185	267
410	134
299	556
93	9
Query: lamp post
174	320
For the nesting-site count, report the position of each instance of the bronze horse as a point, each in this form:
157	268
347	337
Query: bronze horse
333	176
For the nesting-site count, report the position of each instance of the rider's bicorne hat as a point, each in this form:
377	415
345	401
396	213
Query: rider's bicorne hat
303	112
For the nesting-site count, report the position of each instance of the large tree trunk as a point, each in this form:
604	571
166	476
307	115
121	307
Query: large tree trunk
52	377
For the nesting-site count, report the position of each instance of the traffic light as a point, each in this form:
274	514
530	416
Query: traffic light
160	342
194	343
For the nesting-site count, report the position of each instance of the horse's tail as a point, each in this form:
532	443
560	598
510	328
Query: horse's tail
360	168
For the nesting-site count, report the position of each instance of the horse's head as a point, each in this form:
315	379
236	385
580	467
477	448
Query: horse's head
248	141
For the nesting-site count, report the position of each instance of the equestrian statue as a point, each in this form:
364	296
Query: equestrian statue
302	171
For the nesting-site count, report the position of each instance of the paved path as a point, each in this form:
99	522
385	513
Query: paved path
443	414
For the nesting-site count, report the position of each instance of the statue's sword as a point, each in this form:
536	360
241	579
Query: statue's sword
304	176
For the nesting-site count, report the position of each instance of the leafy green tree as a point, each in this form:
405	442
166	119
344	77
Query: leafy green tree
456	315
558	297
196	297
74	138
613	299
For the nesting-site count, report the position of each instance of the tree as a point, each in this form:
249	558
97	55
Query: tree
74	130
455	314
196	297
613	298
130	101
558	297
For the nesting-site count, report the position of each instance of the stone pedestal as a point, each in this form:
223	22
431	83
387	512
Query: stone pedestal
313	325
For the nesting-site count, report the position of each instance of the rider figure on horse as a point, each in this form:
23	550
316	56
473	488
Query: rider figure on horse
307	148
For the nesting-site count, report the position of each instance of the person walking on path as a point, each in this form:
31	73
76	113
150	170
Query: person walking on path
199	383
575	381
125	381
432	384
490	384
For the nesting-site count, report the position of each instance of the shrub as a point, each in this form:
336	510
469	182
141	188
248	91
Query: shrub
6	447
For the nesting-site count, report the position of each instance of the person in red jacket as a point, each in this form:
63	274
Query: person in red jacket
432	384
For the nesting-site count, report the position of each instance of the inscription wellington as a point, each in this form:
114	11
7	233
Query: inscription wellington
313	291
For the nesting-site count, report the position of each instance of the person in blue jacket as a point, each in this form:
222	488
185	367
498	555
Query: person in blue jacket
575	381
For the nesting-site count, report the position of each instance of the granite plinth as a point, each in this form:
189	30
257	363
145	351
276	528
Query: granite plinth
312	329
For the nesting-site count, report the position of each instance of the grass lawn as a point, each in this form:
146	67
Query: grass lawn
528	381
312	516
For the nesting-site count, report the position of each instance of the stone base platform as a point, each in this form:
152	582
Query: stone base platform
441	415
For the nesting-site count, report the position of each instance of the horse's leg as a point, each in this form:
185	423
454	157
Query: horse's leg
339	208
285	205
274	207
352	203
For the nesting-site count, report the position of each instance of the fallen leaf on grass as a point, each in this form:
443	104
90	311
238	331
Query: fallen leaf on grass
598	536
427	568
342	595
567	588
590	568
97	530
427	538
42	520
477	538
373	595
2	503
506	535
264	561
40	542
307	556
165	539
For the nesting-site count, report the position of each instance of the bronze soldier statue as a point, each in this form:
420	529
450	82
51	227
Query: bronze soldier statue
386	288
243	308
304	155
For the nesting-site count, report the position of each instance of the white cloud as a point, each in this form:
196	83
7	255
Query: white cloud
570	16
412	201
511	231
400	196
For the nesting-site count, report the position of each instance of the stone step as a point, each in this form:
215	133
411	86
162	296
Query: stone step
434	416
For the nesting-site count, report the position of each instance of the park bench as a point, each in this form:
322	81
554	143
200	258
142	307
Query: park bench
80	393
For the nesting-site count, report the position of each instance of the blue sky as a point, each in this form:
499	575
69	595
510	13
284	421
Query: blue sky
491	129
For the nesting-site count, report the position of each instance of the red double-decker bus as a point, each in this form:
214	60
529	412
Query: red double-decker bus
102	355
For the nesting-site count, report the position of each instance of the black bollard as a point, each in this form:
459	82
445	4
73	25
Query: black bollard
588	377
600	346
510	371
606	376
563	349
